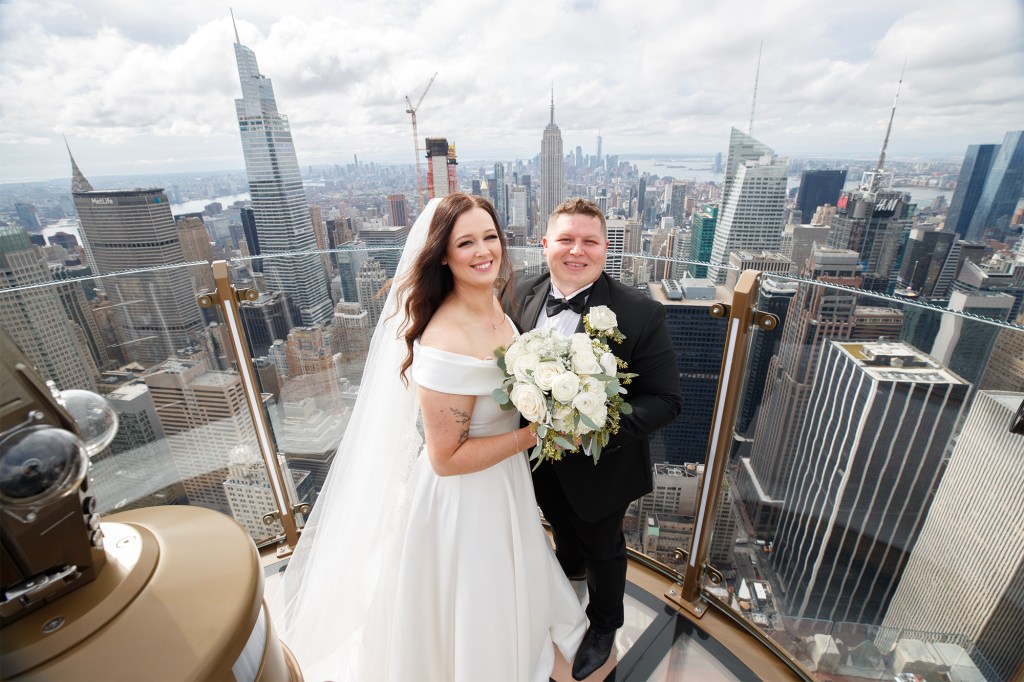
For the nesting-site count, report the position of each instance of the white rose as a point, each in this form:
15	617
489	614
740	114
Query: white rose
514	351
608	364
602	318
530	402
546	373
584	362
522	364
565	387
580	342
593	406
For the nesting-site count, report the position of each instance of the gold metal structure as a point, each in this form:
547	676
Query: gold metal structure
228	298
741	318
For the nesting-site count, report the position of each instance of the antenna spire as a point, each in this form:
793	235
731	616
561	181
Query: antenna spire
237	39
552	103
877	177
753	103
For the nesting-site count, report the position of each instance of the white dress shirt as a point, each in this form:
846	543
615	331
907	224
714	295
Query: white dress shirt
566	320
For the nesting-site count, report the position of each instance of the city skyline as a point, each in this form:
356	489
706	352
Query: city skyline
155	96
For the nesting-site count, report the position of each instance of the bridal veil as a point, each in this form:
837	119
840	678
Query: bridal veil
339	575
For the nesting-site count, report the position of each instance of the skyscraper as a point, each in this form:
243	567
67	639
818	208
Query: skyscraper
982	481
697	339
964	345
973	172
676	202
753	202
369	280
155	311
702	236
924	256
195	245
869	222
442	178
385	243
551	167
279	205
205	416
616	247
817	188
1003	188
34	317
137	469
869	459
815	315
500	195
398	208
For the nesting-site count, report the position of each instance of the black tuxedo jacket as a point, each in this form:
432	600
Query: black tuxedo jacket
623	472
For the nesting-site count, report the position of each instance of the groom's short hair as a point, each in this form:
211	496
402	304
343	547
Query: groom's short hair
579	206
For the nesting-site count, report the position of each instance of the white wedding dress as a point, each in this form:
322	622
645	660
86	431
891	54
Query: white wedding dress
479	594
403	575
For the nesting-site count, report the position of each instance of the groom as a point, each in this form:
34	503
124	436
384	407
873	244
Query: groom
585	503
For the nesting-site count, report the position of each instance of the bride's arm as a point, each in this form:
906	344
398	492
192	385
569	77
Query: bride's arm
446	428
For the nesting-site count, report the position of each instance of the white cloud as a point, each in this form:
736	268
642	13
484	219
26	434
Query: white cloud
133	87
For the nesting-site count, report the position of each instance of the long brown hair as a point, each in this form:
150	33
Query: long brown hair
429	282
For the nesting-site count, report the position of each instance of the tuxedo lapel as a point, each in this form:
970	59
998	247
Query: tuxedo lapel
599	295
533	303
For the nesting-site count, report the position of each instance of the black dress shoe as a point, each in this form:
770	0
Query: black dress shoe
593	653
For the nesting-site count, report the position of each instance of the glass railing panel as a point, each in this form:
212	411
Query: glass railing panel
874	472
309	331
139	339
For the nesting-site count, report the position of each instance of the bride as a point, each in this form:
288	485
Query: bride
431	567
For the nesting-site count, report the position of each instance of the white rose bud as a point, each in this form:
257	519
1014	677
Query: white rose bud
584	362
565	387
530	402
546	373
602	318
608	364
523	363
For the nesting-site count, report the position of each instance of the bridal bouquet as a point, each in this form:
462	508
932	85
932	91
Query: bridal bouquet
569	389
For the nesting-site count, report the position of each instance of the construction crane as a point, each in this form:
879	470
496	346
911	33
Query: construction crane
416	140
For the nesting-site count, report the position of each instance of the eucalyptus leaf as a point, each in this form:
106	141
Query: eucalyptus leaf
564	443
625	408
500	396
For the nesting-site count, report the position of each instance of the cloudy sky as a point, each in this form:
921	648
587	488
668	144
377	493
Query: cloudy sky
138	89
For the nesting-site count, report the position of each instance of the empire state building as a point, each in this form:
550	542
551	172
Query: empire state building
280	209
551	161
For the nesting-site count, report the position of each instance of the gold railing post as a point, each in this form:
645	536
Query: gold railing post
741	317
228	298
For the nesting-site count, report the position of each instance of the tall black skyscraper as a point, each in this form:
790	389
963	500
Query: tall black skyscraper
817	188
1003	189
973	171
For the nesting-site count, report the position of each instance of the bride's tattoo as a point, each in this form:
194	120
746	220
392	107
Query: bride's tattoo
461	417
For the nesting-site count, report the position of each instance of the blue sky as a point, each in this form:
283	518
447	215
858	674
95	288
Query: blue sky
139	90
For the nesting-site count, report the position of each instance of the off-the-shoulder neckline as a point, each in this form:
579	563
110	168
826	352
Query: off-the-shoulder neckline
458	355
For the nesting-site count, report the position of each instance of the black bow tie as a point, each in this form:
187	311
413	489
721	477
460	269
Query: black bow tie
554	305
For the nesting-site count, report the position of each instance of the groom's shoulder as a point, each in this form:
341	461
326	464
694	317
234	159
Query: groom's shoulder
524	285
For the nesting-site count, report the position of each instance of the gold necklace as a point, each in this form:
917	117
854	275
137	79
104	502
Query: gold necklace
495	325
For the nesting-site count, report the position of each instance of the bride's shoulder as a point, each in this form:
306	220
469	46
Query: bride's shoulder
443	332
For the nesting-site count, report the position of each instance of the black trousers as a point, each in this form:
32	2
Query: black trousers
598	548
